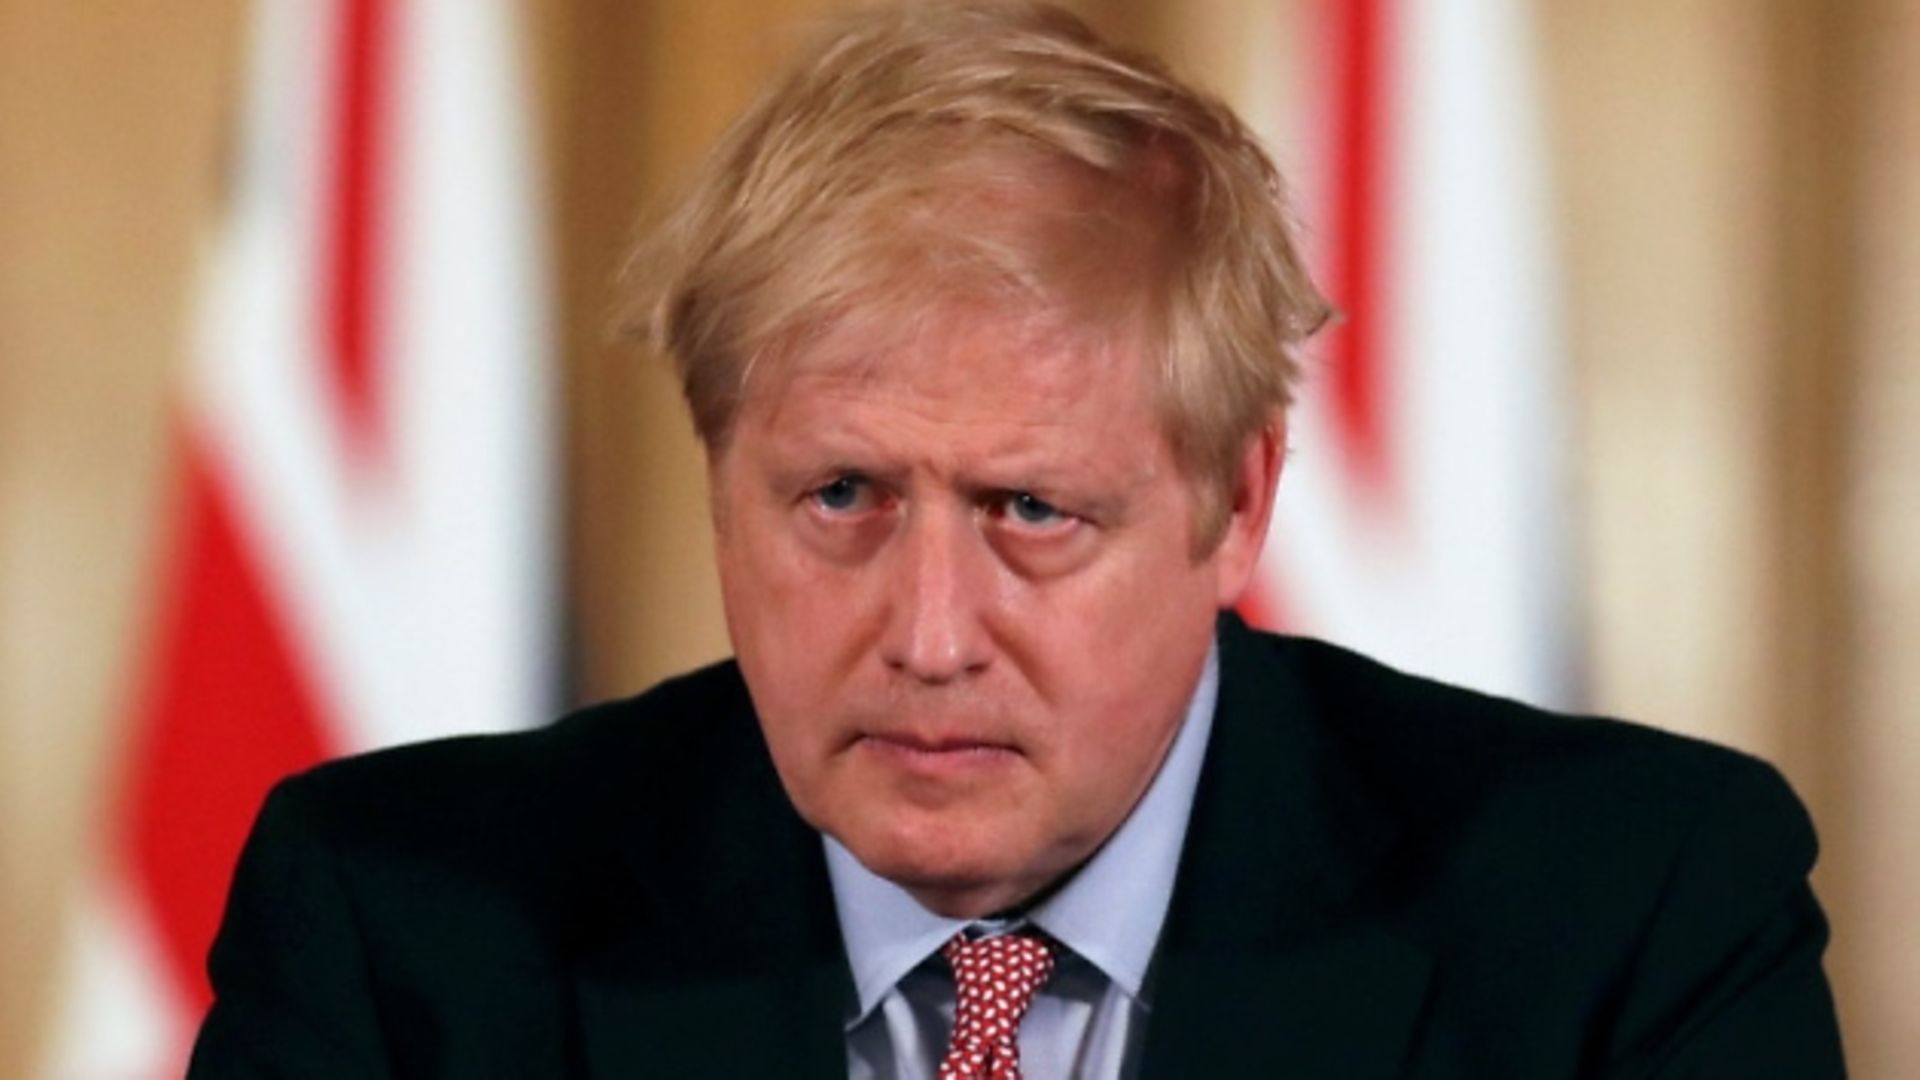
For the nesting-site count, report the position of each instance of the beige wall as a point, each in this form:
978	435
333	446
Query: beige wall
1874	823
1740	195
109	125
1738	198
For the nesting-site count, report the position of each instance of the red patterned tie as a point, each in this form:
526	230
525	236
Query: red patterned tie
995	979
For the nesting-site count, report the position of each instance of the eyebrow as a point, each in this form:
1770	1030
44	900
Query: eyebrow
1104	496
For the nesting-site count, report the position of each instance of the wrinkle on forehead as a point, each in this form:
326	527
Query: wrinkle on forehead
998	394
934	346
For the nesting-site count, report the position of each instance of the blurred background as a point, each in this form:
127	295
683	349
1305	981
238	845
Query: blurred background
315	432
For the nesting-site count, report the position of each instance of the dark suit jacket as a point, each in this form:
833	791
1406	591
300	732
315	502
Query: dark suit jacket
1383	877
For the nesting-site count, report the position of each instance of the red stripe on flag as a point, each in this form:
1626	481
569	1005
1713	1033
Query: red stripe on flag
351	278
227	710
1356	270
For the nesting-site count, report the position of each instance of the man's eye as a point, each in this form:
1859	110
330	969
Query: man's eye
844	494
1030	509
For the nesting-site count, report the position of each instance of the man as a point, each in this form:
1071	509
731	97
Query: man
988	329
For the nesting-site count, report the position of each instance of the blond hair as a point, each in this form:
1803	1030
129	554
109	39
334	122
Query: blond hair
923	155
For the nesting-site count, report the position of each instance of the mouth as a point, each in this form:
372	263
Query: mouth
936	753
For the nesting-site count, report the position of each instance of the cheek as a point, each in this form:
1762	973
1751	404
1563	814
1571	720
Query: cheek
1133	700
1114	657
796	624
1132	608
1143	626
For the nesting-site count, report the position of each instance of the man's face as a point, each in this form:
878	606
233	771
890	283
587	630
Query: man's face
960	581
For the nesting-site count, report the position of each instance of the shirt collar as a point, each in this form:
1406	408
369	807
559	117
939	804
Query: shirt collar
1109	912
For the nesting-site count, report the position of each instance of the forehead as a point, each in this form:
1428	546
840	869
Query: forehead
961	365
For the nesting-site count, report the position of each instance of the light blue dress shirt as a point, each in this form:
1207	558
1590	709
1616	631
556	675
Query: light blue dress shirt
1087	1021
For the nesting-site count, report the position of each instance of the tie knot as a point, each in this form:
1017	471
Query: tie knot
994	981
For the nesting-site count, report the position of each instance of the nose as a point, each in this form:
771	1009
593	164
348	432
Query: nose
941	588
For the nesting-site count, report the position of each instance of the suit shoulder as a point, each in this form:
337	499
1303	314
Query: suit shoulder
1378	703
498	787
1445	753
464	857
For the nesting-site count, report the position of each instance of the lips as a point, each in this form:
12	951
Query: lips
935	744
924	753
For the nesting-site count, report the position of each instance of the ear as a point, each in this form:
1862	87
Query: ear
1250	510
719	489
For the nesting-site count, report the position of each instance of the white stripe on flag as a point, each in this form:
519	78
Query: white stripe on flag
1462	575
412	581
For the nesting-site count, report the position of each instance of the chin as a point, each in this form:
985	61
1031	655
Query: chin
959	873
912	855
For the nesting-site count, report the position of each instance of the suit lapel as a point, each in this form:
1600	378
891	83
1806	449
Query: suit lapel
714	950
1340	1007
782	1023
1270	962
